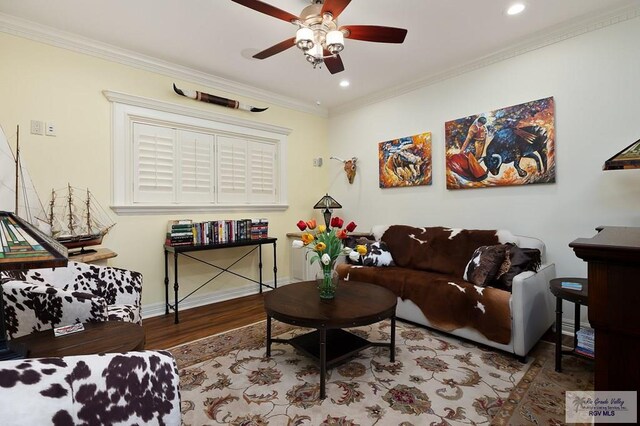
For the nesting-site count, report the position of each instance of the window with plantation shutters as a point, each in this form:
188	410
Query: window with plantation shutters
262	177
174	159
154	159
197	168
232	170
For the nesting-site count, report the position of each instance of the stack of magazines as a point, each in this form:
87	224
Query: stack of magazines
585	342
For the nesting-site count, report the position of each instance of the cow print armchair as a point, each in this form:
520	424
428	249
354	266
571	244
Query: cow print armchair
41	299
132	388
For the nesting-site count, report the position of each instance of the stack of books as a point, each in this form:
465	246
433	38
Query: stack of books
179	232
571	285
186	232
259	229
585	342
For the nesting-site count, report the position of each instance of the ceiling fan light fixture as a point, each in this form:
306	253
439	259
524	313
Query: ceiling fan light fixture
335	42
314	55
304	38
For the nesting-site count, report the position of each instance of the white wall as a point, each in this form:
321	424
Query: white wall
41	82
595	80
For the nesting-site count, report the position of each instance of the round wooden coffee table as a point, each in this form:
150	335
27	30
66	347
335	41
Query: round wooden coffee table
355	304
108	336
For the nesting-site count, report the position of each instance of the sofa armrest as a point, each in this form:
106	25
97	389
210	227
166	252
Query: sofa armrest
130	388
30	307
532	307
116	286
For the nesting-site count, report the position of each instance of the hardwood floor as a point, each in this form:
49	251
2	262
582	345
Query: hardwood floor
203	321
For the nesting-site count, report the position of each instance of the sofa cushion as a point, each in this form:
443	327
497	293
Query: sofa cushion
378	254
447	301
516	260
439	249
484	265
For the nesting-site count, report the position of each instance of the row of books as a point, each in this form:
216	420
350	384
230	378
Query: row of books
586	342
186	232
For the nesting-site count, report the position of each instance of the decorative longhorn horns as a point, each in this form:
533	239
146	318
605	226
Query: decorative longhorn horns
349	167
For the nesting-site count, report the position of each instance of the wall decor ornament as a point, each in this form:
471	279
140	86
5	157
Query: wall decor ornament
350	167
514	145
405	161
217	100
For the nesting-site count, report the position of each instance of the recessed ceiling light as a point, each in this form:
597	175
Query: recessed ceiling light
344	83
515	8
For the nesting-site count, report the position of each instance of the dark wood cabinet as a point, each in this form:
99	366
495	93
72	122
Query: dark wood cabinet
613	257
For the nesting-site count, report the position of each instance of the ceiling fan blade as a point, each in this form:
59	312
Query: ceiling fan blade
334	63
374	33
280	47
334	7
268	9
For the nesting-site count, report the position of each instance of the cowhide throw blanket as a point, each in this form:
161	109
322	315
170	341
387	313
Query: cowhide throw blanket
439	249
430	265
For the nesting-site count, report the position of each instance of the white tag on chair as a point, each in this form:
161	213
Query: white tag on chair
68	329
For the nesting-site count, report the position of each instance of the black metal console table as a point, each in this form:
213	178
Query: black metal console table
184	250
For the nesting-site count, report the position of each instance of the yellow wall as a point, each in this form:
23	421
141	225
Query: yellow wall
41	82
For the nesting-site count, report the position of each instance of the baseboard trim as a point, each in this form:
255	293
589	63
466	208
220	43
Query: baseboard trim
156	309
568	326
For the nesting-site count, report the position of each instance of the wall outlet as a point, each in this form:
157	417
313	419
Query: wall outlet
50	129
317	162
37	127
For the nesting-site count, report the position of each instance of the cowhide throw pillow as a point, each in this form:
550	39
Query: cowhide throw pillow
378	254
516	260
352	242
485	264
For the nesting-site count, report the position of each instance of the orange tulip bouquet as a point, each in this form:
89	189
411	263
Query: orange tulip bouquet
325	246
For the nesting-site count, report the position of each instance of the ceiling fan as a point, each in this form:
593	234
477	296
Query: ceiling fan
318	35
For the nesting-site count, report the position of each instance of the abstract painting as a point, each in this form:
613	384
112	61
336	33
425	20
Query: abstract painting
405	161
514	145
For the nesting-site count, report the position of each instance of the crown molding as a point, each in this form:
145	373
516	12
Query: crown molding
549	36
44	34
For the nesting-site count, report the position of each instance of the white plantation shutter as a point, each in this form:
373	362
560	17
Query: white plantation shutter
262	173
196	172
154	163
232	170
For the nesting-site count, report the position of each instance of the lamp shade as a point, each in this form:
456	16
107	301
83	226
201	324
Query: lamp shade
23	246
327	202
304	38
628	158
335	41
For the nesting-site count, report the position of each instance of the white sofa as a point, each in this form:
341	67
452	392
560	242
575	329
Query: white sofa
530	303
532	307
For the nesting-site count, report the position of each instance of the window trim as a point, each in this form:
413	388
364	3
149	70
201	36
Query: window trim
127	109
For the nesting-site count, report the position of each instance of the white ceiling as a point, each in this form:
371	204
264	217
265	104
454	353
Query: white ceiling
218	38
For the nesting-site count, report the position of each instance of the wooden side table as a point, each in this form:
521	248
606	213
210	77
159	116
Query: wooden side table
99	257
101	337
579	298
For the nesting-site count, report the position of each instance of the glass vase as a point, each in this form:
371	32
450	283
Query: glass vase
327	279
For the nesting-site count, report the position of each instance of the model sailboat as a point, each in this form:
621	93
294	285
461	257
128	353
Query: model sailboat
76	218
17	193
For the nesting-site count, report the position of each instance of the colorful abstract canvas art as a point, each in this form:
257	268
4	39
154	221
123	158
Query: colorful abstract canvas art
405	161
514	145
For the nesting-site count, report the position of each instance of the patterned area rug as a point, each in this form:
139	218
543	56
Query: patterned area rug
435	380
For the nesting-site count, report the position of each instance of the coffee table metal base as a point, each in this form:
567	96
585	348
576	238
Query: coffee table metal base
331	346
